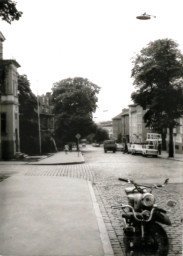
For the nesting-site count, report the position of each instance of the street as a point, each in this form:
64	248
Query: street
108	167
103	170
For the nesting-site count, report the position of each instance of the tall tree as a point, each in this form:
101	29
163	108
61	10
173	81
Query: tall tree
28	117
158	78
74	99
8	11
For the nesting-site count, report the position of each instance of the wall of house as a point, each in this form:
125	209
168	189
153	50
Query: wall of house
117	128
9	113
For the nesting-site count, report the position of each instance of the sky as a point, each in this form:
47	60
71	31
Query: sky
93	39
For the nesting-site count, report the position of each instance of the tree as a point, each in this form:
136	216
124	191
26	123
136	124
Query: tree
101	135
74	101
28	117
8	11
158	78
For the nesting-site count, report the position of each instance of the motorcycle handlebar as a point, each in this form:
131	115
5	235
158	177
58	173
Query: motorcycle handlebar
125	180
140	185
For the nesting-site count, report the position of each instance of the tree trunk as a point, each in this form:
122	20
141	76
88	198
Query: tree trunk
163	134
171	146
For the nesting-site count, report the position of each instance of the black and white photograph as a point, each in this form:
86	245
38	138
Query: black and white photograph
91	128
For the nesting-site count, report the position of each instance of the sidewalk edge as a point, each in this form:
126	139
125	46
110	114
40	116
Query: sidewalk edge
108	251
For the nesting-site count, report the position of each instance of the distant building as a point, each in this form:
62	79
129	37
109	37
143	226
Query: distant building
107	125
125	125
137	129
121	126
117	126
9	107
46	114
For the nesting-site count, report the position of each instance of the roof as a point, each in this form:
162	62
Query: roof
118	116
125	112
2	38
11	62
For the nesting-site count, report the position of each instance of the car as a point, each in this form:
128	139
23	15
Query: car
149	150
96	145
119	147
109	145
129	147
136	149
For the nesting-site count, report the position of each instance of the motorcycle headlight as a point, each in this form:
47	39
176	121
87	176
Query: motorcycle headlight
148	200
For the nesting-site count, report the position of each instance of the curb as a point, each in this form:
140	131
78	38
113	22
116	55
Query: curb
69	163
82	161
170	158
108	251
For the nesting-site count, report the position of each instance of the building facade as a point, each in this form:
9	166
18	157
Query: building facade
9	107
125	125
121	126
137	129
45	111
117	127
107	125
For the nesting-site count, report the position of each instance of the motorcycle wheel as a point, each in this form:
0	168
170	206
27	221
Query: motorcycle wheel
154	244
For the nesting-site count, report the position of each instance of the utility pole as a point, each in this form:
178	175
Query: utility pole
39	124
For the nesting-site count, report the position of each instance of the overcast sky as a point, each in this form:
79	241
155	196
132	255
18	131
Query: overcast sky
93	39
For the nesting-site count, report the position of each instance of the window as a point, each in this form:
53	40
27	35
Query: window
3	122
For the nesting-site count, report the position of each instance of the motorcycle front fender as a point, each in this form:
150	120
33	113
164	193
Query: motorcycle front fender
162	218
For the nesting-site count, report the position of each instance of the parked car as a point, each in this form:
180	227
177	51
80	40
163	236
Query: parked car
96	145
149	150
109	145
119	147
136	149
129	146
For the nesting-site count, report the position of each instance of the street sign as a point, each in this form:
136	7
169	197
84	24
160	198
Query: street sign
78	136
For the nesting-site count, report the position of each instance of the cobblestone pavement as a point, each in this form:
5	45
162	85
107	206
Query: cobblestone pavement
112	193
109	191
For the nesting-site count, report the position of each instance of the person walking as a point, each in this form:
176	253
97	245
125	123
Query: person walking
125	149
159	148
66	148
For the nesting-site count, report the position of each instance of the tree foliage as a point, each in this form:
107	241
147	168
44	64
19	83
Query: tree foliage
101	135
8	11
158	78
28	117
74	100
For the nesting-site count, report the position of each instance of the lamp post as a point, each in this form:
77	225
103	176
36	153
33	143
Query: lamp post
39	124
145	16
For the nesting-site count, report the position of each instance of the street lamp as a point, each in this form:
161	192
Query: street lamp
145	16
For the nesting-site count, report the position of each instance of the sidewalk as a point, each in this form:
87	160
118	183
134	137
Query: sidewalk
44	216
60	158
177	157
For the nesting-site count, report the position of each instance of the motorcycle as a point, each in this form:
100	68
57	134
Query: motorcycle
143	235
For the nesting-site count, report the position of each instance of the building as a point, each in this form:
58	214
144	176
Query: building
137	129
121	126
125	125
9	107
117	126
46	116
107	125
46	124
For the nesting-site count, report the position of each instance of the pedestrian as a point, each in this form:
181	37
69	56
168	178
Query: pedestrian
125	149
70	147
159	148
66	148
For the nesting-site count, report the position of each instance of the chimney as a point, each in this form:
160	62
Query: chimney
2	39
